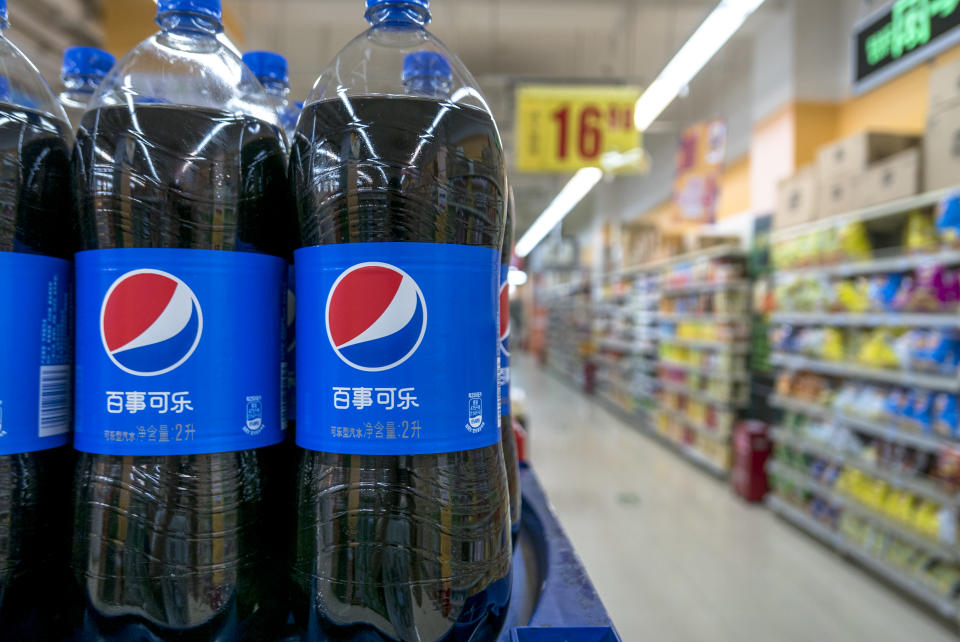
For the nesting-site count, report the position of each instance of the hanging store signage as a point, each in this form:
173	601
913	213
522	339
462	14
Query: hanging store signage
699	170
563	128
895	38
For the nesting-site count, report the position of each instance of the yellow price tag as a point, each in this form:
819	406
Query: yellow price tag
562	128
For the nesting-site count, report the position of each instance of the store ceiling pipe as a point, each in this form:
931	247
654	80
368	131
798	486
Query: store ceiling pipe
571	194
696	52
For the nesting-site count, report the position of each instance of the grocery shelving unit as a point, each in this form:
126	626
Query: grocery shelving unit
703	342
668	357
624	341
568	329
858	457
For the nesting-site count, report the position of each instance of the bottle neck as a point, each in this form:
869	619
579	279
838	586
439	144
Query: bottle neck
275	88
189	23
398	15
82	84
432	86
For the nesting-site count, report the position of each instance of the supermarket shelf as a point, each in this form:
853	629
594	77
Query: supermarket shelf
720	251
900	206
628	387
700	429
943	551
844	369
708	318
918	487
705	286
945	607
891	319
636	362
705	371
699	395
805	522
887	432
739	346
895	263
633	347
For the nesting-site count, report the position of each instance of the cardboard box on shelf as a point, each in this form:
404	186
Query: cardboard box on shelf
839	194
941	149
890	179
638	243
855	154
944	86
796	199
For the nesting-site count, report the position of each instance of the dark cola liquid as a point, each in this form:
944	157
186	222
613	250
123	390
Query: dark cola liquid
412	547
180	547
35	217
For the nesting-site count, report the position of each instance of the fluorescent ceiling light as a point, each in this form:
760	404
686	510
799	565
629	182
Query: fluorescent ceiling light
571	194
516	277
696	52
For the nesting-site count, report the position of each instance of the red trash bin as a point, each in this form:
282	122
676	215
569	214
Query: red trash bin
751	449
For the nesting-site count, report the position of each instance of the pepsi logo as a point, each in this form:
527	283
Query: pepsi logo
504	317
376	316
150	322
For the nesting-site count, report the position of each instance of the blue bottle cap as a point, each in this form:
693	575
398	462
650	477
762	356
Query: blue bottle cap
267	65
86	61
4	83
206	8
426	63
421	4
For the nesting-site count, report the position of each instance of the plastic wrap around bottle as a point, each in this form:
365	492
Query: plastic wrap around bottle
181	176
35	344
82	71
507	437
403	509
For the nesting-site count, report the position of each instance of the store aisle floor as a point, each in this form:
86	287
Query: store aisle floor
677	557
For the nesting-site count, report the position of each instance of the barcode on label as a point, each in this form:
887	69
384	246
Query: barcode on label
54	400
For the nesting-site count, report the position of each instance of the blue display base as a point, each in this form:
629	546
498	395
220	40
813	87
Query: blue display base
553	598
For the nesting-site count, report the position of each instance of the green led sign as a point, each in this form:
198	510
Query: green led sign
901	35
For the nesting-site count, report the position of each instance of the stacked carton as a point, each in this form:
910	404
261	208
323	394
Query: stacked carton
942	141
866	169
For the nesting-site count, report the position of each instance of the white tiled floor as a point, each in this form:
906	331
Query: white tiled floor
676	557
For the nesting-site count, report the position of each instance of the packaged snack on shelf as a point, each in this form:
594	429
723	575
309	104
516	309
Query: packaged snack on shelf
920	234
948	220
832	348
852	295
919	415
853	243
878	350
926	519
947	470
932	288
938	352
899	505
944	415
882	291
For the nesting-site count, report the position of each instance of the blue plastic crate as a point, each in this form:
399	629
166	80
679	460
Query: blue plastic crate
553	598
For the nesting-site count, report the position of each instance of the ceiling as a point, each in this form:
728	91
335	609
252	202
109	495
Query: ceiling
502	42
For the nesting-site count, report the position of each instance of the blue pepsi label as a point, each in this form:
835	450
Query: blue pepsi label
503	378
290	349
397	348
36	347
178	351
